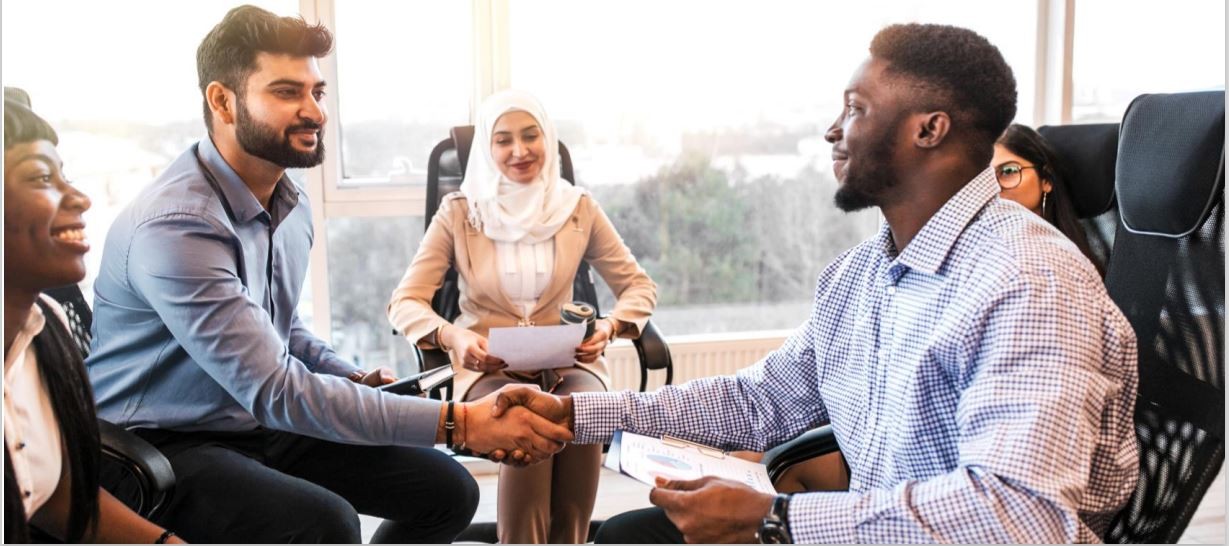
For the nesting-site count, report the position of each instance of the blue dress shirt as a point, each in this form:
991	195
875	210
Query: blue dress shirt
981	384
195	322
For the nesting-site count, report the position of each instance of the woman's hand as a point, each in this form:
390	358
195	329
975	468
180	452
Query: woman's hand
471	348
591	348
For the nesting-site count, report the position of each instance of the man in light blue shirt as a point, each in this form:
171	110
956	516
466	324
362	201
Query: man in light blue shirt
978	378
198	347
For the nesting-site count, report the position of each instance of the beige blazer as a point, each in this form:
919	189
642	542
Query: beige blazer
451	241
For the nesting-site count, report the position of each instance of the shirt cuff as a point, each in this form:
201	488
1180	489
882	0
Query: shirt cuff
823	518
597	415
417	420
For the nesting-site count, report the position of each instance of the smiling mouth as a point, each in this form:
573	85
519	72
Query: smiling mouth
69	234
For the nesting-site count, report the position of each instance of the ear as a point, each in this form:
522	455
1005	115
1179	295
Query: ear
222	102
932	129
1046	186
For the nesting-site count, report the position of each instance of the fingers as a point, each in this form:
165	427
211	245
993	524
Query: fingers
378	376
537	436
386	376
667	499
549	429
683	485
512	395
479	360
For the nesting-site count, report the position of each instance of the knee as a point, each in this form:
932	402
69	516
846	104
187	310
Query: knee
326	519
645	526
616	530
464	497
454	492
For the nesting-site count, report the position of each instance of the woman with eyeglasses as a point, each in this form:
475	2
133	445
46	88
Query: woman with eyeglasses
1031	174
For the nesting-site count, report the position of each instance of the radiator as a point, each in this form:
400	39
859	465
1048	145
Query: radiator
694	356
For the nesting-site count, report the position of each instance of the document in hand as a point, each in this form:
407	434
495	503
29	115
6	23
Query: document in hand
645	458
536	347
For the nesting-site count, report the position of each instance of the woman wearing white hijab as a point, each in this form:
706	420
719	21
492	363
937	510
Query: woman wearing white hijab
516	233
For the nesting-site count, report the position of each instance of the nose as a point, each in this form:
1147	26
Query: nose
75	200
518	148
313	110
835	133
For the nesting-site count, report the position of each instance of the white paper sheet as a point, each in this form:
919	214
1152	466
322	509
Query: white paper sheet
536	347
645	458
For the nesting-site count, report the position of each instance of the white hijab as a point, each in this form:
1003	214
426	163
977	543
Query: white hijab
510	211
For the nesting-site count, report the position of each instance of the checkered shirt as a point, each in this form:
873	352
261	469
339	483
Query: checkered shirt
981	385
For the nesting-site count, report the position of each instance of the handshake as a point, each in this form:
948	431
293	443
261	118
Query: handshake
518	424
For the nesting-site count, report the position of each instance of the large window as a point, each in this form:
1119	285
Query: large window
404	76
699	127
367	257
1127	48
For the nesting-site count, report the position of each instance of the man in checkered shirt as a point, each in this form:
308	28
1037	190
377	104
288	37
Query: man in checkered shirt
980	381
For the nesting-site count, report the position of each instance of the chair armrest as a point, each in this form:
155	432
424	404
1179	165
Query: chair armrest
654	354
151	469
808	445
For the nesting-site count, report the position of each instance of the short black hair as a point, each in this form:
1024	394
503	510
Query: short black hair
228	53
955	70
21	124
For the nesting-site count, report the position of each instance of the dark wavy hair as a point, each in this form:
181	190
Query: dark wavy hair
64	376
228	53
954	70
1059	211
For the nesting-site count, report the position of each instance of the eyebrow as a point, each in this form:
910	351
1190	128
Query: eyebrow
294	82
507	132
44	158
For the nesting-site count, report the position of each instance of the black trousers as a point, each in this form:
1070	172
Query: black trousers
267	486
645	526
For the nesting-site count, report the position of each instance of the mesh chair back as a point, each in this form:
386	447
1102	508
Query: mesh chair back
1089	153
1167	274
80	317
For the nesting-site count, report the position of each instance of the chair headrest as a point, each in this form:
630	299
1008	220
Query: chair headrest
1171	162
1089	153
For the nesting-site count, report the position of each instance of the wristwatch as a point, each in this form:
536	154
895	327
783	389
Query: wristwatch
775	527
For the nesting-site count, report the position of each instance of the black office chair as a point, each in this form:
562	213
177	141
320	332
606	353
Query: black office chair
1167	273
134	471
1089	153
445	171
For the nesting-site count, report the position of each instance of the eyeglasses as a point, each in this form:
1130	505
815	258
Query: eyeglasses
1010	174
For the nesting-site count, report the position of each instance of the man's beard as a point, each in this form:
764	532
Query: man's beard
871	177
266	143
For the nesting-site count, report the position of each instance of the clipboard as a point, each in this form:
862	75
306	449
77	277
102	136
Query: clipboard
420	382
645	458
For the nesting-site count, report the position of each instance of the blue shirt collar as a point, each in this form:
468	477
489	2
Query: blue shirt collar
235	192
931	246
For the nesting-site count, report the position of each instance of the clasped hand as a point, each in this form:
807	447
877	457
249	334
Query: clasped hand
518	424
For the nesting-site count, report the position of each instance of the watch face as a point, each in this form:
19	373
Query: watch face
772	532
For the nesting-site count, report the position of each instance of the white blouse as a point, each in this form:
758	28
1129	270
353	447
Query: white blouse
31	430
524	271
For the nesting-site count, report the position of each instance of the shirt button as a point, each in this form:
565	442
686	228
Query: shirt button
892	290
28	493
21	446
